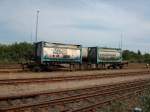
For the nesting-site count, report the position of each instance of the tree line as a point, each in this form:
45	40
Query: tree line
23	52
16	53
137	57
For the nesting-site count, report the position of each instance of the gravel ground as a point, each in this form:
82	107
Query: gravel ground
15	90
56	74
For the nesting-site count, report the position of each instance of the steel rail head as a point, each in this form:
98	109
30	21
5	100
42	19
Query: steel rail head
77	97
68	78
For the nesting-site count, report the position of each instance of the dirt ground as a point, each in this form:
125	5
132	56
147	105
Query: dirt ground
13	74
25	75
15	90
136	65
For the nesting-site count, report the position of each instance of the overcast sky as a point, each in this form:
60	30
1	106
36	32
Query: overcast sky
86	22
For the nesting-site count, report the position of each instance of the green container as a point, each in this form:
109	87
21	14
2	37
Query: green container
98	55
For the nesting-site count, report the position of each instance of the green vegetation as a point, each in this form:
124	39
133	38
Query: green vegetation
116	106
145	101
15	53
140	101
22	52
137	57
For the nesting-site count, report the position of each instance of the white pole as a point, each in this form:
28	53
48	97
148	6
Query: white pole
121	40
37	20
121	43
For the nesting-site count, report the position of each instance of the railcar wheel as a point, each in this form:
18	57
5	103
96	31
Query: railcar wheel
36	69
114	67
120	67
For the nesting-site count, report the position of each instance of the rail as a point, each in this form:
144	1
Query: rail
112	92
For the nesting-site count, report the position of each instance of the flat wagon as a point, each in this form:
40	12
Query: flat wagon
57	55
51	54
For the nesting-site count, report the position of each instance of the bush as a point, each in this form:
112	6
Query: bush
145	101
136	57
16	53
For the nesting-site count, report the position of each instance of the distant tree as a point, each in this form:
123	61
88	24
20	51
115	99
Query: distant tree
15	53
136	57
125	54
139	52
147	58
139	56
129	55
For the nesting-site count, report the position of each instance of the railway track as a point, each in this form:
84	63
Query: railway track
81	100
92	108
63	91
12	68
69	78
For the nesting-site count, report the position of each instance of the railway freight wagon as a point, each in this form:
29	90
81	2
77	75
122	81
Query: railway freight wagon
103	57
52	54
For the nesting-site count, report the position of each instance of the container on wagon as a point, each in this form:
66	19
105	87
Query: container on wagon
98	55
56	52
84	54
